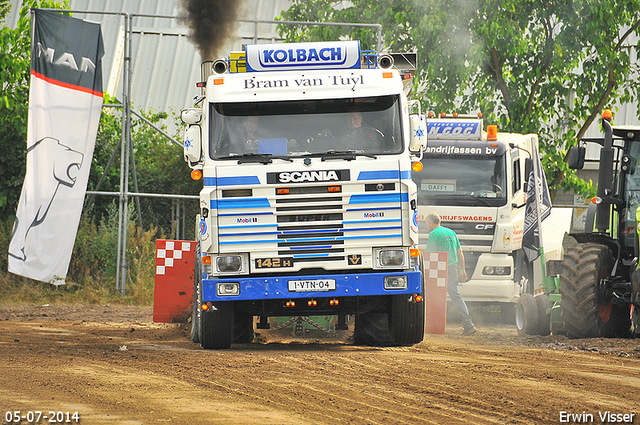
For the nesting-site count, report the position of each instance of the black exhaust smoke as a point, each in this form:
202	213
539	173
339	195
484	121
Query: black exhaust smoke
210	23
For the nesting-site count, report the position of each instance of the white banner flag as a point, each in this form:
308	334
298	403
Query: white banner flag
65	102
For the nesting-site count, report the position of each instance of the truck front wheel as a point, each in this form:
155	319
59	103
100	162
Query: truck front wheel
217	327
526	315
406	320
196	310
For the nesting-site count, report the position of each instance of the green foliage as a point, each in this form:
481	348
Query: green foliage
14	76
530	66
92	271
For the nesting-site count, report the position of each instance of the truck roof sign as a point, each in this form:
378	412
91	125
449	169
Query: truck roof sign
300	56
454	129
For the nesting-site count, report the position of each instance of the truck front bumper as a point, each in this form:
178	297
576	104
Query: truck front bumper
333	285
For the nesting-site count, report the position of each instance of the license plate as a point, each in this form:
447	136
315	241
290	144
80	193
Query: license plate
316	285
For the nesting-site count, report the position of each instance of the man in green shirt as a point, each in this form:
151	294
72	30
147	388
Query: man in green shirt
443	239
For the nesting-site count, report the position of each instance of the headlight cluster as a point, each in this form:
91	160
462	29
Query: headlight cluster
228	288
229	263
496	271
395	282
391	257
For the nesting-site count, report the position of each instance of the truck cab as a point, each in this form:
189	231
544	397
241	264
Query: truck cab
475	180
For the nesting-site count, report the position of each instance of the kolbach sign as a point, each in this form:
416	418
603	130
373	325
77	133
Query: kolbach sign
324	55
65	102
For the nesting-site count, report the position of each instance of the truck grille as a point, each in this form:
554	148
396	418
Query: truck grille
312	224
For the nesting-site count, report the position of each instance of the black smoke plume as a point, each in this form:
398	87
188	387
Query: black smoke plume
210	23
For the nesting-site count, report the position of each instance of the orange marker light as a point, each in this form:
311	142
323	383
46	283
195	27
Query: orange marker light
607	114
333	189
417	166
418	298
206	259
414	252
387	75
196	175
492	132
218	81
205	306
282	191
431	115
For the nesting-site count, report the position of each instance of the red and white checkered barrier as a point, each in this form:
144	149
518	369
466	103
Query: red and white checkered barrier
436	265
173	293
168	251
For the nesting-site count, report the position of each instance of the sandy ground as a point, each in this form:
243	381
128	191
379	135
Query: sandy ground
113	365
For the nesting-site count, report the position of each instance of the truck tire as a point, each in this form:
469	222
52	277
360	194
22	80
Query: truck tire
217	327
526	315
406	320
243	332
407	317
196	310
543	303
372	329
584	315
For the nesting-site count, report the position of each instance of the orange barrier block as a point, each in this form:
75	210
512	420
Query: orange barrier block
173	294
435	286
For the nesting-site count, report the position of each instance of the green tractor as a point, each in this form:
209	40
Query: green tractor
599	291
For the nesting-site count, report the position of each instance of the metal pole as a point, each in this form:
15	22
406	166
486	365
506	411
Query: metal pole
127	107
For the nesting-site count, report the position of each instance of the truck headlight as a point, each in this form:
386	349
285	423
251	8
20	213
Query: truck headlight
227	288
391	257
395	282
229	263
496	271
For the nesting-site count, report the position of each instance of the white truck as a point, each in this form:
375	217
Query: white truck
308	206
475	180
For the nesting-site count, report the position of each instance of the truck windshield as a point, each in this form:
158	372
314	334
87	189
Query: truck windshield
462	181
368	125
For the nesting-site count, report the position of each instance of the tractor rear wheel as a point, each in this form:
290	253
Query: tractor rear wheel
584	314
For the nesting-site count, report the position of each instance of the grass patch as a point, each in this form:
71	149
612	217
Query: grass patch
92	271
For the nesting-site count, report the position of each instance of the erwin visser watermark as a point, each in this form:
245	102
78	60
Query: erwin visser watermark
605	417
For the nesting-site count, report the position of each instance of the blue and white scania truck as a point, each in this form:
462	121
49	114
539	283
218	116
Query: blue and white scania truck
308	206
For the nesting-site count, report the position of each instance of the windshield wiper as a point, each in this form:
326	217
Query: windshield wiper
348	155
262	158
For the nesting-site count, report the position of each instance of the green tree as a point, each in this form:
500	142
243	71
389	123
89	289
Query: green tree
15	59
541	66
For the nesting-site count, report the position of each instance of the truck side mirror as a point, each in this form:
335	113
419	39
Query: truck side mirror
576	157
191	116
418	128
192	144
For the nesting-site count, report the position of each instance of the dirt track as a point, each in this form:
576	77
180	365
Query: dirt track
114	366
